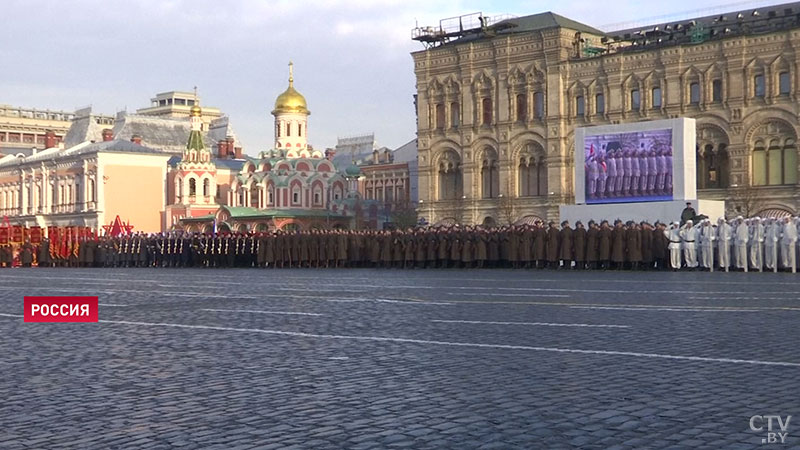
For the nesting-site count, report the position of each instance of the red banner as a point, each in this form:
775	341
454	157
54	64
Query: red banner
61	309
4	235
17	234
36	235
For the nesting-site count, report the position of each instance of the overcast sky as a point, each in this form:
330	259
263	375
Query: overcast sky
351	57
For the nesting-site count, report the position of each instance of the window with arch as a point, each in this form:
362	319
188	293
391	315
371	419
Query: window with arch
759	86
716	91
486	110
255	197
241	196
271	196
455	115
580	107
288	129
440	116
490	174
93	193
655	97
337	192
636	100
713	162
449	175
694	93
532	171
538	105
522	108
774	155
192	187
278	130
206	187
317	196
300	129
296	195
784	84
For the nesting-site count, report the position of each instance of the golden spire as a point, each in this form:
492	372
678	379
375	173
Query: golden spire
291	100
195	110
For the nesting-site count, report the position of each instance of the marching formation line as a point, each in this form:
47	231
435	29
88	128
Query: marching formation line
543	324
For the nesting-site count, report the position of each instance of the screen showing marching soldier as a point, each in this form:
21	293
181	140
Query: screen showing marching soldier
628	167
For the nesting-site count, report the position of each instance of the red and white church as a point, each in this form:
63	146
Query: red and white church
291	186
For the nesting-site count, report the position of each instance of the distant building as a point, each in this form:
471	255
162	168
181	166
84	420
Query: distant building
498	103
178	104
104	167
22	129
88	184
291	186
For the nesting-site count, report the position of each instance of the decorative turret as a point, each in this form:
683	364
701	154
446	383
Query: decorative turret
291	119
195	149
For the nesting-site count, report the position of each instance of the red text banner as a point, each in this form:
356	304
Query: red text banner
61	309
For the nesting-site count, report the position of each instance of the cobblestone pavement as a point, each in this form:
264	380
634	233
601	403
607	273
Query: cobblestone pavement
356	359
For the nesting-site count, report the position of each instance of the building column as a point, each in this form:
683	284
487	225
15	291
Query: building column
23	197
99	186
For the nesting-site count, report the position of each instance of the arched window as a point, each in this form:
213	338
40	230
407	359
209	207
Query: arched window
784	83
440	116
455	115
636	100
192	187
532	171
300	129
255	197
713	166
774	155
486	109
337	192
522	108
580	106
271	196
449	173
93	193
490	174
206	188
656	97
694	93
288	129
317	196
296	196
538	105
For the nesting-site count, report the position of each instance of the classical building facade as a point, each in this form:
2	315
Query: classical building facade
497	107
106	166
88	184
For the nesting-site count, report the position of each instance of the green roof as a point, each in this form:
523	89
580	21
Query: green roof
543	21
195	141
205	218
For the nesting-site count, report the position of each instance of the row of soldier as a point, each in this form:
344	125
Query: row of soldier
746	244
752	244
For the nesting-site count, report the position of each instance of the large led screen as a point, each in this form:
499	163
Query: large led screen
628	167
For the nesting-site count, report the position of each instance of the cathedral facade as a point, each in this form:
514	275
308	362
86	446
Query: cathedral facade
291	186
497	109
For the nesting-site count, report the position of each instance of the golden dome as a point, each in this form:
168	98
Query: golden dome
291	101
195	111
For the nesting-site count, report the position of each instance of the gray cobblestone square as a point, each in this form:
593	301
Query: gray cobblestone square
318	359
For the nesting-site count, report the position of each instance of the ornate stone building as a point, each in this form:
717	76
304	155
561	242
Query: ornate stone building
290	186
498	104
